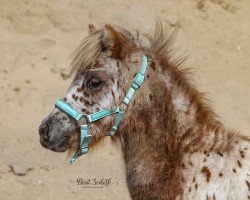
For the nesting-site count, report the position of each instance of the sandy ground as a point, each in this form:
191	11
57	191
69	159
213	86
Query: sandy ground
36	41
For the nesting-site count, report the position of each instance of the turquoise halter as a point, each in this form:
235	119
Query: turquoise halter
85	136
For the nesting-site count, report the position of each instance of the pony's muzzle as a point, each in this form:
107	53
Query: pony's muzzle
44	132
55	131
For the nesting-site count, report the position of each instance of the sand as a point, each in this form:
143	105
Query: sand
36	41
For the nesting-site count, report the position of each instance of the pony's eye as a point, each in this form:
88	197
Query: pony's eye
94	83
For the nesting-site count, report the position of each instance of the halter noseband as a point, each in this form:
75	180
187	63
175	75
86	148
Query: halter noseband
85	136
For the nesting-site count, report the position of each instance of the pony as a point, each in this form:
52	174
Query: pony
173	144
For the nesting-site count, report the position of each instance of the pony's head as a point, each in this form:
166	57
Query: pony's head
105	65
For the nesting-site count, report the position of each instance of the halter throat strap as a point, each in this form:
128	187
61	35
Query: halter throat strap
84	133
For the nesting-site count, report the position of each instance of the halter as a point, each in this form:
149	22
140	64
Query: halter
85	136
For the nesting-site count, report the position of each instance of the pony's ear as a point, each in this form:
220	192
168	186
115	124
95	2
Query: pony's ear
91	28
117	44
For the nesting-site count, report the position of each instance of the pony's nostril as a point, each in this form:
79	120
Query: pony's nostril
44	132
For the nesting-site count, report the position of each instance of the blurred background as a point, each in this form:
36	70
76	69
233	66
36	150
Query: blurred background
36	41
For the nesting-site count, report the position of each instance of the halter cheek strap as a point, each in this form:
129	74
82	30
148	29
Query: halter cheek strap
85	136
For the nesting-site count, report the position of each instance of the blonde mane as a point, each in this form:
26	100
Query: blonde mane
87	51
159	44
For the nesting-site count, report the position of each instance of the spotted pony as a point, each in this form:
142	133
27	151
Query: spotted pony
174	146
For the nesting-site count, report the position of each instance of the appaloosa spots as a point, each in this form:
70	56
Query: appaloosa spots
248	185
86	102
64	118
74	97
113	94
150	97
242	154
220	154
86	94
183	166
206	173
239	164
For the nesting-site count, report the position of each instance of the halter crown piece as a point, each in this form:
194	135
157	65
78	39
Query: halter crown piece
85	136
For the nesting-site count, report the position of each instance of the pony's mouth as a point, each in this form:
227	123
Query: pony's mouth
60	146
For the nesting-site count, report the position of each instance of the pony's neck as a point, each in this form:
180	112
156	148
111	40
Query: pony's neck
164	121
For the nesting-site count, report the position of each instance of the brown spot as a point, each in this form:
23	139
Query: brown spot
193	179
221	154
183	166
234	170
112	80
214	198
74	97
205	152
153	66
79	89
239	163
86	94
207	173
27	81
196	186
83	110
191	164
150	97
204	160
64	118
81	99
189	190
248	185
87	103
113	94
242	154
220	174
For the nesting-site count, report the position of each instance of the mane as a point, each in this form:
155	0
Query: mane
160	44
87	51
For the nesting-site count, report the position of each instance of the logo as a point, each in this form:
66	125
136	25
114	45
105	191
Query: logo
94	182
